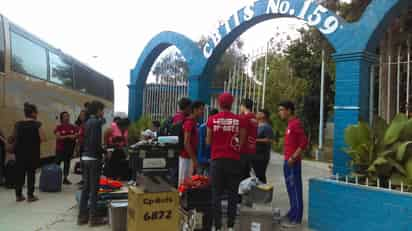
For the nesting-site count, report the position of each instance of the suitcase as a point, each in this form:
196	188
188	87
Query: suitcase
197	198
10	174
51	178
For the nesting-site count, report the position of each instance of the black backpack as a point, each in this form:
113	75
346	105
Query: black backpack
166	128
177	130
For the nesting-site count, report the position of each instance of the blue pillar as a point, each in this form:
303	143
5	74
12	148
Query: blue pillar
199	88
135	102
351	100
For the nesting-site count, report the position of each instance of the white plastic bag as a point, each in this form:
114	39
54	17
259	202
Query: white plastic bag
246	185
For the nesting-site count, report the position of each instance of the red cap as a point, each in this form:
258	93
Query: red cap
225	99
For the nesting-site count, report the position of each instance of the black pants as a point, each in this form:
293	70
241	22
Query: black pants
260	166
65	156
246	165
225	175
24	168
91	175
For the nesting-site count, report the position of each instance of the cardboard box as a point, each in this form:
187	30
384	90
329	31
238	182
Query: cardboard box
256	219
157	211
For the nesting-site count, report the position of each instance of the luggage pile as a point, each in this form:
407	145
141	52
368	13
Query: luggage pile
196	203
109	190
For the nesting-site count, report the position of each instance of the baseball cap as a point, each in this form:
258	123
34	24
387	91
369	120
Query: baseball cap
225	99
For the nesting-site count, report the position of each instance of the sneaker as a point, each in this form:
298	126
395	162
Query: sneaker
289	224
32	199
20	198
230	229
66	181
82	220
97	221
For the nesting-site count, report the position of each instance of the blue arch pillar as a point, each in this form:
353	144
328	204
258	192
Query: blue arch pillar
135	100
199	88
351	100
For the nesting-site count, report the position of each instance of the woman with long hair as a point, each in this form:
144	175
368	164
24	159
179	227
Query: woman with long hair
27	136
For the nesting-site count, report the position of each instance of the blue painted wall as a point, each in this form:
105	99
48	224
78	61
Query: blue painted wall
337	206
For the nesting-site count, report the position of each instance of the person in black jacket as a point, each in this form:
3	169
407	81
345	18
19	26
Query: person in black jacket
27	136
91	164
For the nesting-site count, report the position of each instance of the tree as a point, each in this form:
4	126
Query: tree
171	69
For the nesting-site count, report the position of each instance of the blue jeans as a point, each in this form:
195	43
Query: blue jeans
91	170
293	179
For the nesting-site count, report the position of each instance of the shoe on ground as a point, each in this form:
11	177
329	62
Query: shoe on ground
97	221
230	229
288	224
80	182
20	198
82	220
32	199
66	182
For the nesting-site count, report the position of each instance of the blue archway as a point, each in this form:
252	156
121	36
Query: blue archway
138	76
354	44
201	61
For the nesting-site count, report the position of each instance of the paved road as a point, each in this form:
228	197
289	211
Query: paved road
58	211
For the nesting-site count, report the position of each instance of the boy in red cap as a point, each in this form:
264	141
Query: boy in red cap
226	134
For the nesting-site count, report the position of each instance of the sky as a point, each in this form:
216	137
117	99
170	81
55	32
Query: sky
110	35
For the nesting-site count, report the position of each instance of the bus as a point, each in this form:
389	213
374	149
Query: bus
33	71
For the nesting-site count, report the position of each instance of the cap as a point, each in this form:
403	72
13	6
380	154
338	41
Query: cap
225	99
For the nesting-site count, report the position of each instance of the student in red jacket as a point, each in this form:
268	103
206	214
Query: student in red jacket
66	135
248	150
226	134
295	143
188	157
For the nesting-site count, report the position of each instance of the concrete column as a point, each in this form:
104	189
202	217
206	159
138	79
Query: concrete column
351	100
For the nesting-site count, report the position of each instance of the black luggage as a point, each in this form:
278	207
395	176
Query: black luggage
51	178
10	174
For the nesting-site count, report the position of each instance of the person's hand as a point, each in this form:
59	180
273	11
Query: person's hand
291	162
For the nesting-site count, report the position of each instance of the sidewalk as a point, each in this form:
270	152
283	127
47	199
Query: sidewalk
58	211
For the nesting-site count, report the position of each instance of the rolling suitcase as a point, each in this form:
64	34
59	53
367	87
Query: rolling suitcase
10	174
51	178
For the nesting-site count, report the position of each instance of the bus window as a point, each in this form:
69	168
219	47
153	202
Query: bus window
61	71
82	79
28	57
1	45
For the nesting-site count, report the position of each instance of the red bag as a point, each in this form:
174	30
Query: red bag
111	183
194	182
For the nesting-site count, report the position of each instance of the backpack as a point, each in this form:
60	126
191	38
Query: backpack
177	130
166	128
